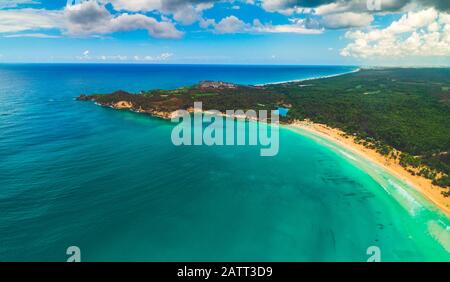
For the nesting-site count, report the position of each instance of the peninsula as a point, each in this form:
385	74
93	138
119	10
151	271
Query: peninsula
396	117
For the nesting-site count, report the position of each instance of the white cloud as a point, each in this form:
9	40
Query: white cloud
423	33
137	5
335	6
183	11
281	6
331	14
206	23
161	57
336	14
14	3
233	24
31	35
300	26
84	56
413	20
230	24
91	18
112	58
346	20
158	58
85	19
29	19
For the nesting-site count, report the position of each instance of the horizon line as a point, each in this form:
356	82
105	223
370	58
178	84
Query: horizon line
221	64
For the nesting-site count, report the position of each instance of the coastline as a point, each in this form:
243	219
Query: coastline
308	79
420	184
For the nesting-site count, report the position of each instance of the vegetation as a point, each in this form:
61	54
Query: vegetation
404	114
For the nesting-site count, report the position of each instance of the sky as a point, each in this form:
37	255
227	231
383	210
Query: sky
298	32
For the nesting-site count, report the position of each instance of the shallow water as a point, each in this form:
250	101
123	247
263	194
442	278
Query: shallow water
112	183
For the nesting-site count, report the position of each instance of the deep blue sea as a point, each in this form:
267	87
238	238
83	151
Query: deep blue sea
112	183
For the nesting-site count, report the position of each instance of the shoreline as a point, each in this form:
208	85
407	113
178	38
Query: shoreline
419	183
308	79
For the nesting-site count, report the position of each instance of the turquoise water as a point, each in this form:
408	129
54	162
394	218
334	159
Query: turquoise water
112	183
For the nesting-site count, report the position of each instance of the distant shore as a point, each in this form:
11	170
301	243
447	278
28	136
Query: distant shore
419	183
309	78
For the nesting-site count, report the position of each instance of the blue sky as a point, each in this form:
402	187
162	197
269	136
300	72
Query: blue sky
347	32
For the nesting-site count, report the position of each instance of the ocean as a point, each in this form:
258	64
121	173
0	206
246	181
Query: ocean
113	184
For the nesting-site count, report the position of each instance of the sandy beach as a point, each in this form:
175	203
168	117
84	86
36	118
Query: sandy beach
421	184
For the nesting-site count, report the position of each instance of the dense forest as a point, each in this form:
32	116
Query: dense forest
402	113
